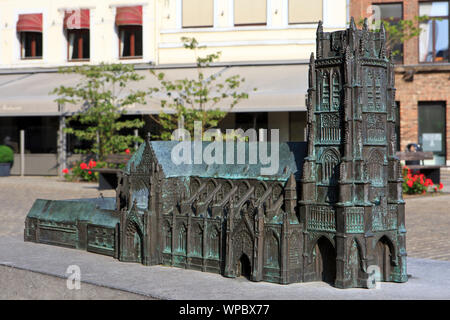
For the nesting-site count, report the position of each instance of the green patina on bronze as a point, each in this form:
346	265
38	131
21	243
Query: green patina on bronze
333	210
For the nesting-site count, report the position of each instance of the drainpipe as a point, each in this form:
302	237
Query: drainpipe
22	153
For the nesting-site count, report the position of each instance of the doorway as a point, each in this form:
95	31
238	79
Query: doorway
325	261
244	267
383	258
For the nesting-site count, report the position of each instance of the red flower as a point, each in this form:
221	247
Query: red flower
435	189
92	163
65	171
410	183
127	151
428	182
83	166
441	186
89	172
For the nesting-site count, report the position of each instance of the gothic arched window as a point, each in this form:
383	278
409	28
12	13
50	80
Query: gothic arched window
369	84
374	168
378	102
214	243
330	167
325	91
272	250
336	97
167	229
182	234
198	241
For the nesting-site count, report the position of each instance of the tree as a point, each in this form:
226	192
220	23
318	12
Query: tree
103	94
204	98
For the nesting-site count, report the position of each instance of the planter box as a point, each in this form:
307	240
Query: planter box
5	168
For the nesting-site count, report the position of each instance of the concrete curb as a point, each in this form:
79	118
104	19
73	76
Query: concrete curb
430	279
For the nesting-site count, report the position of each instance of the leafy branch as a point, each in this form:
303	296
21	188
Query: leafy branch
206	98
101	96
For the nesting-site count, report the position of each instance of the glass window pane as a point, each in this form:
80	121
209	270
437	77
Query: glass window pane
432	129
441	40
426	42
433	9
387	11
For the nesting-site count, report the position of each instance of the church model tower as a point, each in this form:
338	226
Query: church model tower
332	212
351	187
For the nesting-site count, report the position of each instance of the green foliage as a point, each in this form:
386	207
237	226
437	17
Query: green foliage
397	32
204	98
6	154
103	94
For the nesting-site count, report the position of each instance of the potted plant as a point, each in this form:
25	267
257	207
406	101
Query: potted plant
6	160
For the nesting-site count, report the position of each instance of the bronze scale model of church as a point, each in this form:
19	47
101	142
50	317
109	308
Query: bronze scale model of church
332	212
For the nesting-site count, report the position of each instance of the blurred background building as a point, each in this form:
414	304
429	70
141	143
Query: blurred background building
268	42
422	73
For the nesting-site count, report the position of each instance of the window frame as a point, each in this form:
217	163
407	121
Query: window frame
22	49
131	27
304	22
395	20
199	26
261	24
434	33
78	32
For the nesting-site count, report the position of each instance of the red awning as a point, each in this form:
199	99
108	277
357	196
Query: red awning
30	22
76	19
129	16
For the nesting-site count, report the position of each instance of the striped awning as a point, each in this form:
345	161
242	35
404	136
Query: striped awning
76	19
129	16
30	22
280	88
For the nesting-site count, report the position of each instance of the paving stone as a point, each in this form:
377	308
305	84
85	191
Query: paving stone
427	223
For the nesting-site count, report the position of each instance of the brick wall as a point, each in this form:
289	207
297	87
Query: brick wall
429	83
426	86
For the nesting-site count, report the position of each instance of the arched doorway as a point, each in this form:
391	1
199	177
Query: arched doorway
383	258
244	267
324	261
134	243
242	253
354	262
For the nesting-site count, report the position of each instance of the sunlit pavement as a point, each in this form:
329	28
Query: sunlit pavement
427	223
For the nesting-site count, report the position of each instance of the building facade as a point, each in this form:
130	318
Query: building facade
332	211
265	41
422	73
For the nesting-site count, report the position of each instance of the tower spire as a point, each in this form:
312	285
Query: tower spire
365	25
352	24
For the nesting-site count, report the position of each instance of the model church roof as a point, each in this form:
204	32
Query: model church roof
290	160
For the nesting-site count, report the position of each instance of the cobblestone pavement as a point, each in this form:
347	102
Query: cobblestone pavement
428	227
427	218
427	223
17	195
